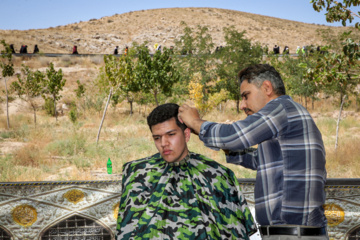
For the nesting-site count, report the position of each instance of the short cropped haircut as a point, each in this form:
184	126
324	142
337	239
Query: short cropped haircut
163	113
258	73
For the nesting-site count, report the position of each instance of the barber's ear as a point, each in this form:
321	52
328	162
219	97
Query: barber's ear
267	87
187	133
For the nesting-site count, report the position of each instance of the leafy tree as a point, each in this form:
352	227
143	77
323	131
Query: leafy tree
298	80
119	80
7	71
53	84
157	74
80	90
80	93
197	96
339	73
29	87
338	11
236	55
109	82
198	45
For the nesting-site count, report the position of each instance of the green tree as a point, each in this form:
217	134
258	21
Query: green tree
53	84
7	71
198	46
119	80
129	85
338	11
157	74
338	73
29	87
108	83
236	55
80	94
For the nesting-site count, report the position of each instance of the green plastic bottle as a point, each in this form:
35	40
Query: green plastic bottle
109	166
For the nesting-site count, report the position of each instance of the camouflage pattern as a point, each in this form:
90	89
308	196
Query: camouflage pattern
196	198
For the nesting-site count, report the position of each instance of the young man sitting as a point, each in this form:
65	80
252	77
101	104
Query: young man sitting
177	194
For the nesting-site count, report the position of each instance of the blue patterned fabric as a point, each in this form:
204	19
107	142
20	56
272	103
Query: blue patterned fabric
289	159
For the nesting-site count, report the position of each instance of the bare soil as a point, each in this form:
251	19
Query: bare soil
163	26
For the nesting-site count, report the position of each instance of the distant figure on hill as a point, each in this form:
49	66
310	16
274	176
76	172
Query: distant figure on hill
116	50
36	49
286	50
126	50
218	49
23	49
75	50
298	49
276	49
304	50
12	48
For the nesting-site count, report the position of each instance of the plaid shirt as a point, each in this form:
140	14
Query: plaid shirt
289	159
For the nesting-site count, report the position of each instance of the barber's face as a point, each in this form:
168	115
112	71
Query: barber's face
170	140
253	98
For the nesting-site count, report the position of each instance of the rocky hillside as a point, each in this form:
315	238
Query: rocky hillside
162	26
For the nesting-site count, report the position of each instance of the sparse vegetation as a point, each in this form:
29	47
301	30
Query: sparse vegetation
66	149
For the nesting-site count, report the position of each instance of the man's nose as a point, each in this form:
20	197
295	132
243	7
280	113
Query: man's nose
164	141
242	105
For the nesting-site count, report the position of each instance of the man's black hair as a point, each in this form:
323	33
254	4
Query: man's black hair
163	113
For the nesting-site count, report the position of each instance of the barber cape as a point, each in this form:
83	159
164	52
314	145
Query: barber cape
196	198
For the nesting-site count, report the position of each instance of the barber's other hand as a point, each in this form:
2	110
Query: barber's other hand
191	117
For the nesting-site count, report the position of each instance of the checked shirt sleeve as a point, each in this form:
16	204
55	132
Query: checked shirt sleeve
239	136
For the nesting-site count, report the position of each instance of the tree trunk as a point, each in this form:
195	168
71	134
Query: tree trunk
338	122
312	103
55	108
34	116
7	106
156	100
131	107
102	120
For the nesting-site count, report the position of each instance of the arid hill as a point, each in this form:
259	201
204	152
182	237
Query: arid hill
162	26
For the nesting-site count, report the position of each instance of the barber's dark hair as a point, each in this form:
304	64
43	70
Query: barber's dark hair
258	73
163	113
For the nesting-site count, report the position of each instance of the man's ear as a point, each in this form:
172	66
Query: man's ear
268	88
187	133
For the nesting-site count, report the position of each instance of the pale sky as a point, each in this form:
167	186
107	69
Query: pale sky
35	14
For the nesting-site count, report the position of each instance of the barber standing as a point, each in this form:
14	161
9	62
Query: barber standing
289	159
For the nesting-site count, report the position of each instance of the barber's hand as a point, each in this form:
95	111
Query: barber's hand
191	117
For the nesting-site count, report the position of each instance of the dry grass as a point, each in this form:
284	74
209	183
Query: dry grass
54	146
65	151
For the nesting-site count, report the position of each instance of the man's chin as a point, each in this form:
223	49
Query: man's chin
249	113
167	158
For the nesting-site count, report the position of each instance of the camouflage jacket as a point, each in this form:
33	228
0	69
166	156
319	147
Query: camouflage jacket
196	198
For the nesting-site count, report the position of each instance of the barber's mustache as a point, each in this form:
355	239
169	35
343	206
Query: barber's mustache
247	110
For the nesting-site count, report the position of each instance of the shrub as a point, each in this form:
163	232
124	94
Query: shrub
49	106
70	146
73	115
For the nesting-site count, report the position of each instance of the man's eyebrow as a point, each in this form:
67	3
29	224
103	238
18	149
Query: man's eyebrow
244	93
170	131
